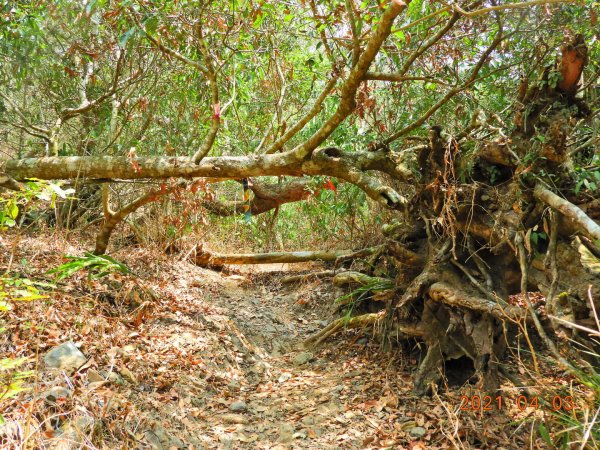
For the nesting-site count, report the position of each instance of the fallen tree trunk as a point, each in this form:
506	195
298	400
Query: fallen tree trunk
350	167
207	259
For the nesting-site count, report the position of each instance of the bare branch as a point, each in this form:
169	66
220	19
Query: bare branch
510	6
451	93
278	107
581	220
355	35
43	131
318	105
113	218
428	43
86	105
326	46
167	50
398	78
215	122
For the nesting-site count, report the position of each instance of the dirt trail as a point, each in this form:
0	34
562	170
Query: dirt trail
213	361
346	395
289	397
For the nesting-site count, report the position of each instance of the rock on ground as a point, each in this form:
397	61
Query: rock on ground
66	356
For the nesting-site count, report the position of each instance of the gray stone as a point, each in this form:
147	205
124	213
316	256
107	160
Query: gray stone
239	406
198	402
259	368
113	377
54	393
234	385
72	433
363	341
66	356
417	432
302	434
284	377
286	432
128	375
303	358
159	438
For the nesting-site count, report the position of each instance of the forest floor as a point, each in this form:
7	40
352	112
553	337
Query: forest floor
184	357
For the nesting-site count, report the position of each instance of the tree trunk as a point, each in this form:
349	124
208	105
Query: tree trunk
207	259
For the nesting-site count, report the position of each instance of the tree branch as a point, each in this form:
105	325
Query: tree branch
581	220
350	167
215	122
451	93
169	51
317	107
510	6
356	76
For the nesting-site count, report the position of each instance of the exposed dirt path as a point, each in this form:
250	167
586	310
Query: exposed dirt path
213	361
288	397
347	395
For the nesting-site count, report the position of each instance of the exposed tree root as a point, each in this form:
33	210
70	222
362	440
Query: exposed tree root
363	321
359	279
371	252
549	343
581	220
309	276
453	296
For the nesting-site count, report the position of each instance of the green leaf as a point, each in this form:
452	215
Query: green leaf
90	6
534	238
13	210
545	435
151	24
11	363
123	40
5	306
